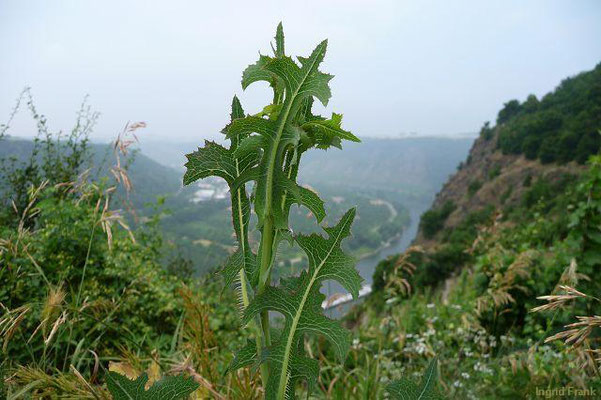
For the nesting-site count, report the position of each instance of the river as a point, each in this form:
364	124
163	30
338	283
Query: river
367	265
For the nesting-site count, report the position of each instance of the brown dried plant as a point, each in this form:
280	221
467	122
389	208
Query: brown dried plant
576	335
125	139
397	279
199	345
52	310
69	385
11	321
485	232
498	295
198	338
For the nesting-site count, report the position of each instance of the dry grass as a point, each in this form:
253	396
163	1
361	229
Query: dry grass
10	322
577	334
57	385
498	295
397	279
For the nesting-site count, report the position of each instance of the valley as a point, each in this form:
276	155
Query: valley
388	202
373	201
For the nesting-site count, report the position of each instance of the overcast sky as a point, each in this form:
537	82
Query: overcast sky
429	67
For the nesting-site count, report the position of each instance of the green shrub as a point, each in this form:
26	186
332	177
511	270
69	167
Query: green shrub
559	128
506	194
510	109
473	188
494	172
487	132
114	290
432	221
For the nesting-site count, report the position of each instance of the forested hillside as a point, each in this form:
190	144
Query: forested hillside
103	254
195	220
151	179
560	127
511	225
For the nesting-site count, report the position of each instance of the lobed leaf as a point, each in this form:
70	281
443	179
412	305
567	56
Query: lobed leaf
231	165
328	132
168	388
299	301
406	390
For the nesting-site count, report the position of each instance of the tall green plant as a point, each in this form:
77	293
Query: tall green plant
266	148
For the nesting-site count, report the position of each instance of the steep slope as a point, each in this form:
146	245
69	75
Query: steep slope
489	179
411	168
150	178
545	140
517	222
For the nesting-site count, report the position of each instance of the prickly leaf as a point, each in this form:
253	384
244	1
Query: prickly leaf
299	301
168	388
404	389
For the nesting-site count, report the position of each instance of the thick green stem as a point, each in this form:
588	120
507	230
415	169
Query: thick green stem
267	238
255	325
243	239
268	232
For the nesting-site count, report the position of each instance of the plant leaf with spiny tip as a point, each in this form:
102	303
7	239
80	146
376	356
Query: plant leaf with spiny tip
211	160
299	301
305	80
235	262
244	357
271	146
328	132
215	160
308	198
279	41
168	388
404	389
301	82
257	72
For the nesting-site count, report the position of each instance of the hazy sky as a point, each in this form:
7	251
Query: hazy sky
430	67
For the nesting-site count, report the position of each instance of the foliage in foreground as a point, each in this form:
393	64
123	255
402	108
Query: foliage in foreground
481	322
81	293
168	388
406	389
82	300
266	148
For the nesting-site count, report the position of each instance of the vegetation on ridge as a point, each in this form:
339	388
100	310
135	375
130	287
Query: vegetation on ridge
560	127
498	299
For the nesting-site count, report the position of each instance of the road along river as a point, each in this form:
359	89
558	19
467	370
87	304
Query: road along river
338	300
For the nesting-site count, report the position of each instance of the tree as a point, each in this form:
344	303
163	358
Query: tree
509	110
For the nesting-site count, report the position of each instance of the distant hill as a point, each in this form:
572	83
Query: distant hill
509	251
388	179
413	168
525	165
561	126
537	140
150	179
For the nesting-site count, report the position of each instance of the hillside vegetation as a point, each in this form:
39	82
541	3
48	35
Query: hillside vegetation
506	229
200	230
498	298
560	127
